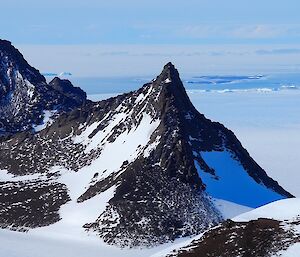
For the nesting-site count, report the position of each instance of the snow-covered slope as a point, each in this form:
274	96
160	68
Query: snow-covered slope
287	209
139	169
231	182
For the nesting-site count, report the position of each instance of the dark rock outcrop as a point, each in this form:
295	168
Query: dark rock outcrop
71	96
25	95
261	237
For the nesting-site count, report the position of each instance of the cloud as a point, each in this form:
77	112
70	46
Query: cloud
254	31
141	59
278	51
201	31
258	31
114	53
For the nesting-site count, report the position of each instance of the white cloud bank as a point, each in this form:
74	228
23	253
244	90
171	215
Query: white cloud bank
133	60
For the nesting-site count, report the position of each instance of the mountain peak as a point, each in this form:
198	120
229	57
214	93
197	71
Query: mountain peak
172	89
168	74
169	66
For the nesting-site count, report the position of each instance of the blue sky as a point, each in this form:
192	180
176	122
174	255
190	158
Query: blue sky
195	32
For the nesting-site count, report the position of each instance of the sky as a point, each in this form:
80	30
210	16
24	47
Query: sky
135	37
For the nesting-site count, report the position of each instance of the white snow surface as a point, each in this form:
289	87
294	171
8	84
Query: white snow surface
31	87
230	209
60	244
47	121
292	251
286	209
151	147
96	140
179	244
126	146
141	97
73	214
5	176
231	181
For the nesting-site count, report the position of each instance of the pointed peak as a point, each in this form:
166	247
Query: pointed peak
170	69
169	66
168	74
172	89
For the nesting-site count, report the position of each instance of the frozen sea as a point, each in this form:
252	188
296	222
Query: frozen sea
206	83
263	110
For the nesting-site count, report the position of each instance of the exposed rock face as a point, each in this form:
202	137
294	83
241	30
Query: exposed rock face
25	95
262	237
30	204
149	145
68	95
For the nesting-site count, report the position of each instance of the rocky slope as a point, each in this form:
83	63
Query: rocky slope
273	230
25	96
161	158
